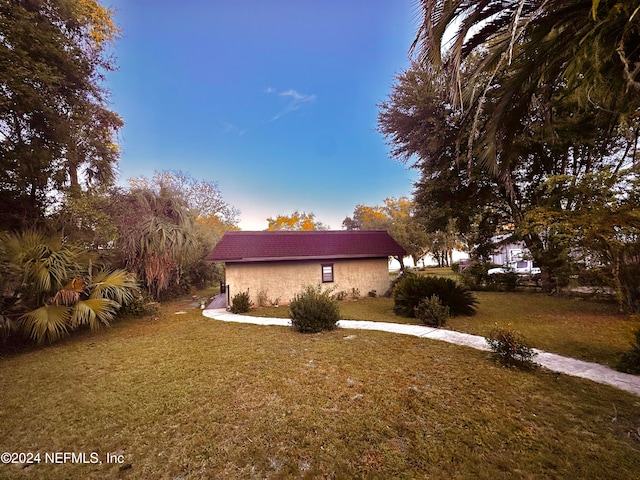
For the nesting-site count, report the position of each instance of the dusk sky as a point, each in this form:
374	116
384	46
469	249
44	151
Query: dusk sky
274	100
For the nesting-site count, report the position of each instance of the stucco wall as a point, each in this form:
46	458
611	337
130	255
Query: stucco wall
285	279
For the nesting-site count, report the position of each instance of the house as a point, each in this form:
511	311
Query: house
281	263
508	251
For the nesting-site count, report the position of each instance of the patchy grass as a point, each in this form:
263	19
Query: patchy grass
583	329
184	396
436	272
586	330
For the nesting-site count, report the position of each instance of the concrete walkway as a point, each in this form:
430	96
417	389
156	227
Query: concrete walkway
557	363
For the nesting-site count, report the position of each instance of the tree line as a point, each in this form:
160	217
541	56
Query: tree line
75	248
524	118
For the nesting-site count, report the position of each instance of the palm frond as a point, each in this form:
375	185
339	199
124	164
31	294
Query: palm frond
45	261
48	323
7	326
70	293
93	312
118	285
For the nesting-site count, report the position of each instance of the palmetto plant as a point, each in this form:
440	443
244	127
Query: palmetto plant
160	240
412	289
58	291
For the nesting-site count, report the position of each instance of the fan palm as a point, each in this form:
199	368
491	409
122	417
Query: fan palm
43	262
586	41
160	241
50	308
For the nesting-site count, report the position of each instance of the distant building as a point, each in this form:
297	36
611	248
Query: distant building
508	251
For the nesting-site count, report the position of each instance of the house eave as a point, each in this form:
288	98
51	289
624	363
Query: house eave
298	258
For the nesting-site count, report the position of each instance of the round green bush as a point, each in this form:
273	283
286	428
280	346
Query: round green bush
241	303
412	289
430	311
313	310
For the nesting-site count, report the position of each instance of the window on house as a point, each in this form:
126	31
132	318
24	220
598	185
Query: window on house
327	273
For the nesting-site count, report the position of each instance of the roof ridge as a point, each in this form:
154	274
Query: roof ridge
238	245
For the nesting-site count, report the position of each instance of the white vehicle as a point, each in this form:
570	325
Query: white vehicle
522	267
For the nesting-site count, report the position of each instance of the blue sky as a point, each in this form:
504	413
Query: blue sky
275	100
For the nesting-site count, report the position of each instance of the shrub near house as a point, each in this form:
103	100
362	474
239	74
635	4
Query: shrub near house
314	310
412	289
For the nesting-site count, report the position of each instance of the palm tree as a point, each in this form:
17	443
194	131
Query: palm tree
157	237
58	291
558	38
584	50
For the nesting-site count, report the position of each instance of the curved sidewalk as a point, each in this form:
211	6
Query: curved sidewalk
557	363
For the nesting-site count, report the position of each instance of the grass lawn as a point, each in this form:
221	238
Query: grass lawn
578	328
183	396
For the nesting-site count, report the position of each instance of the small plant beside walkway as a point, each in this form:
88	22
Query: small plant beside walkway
510	348
313	310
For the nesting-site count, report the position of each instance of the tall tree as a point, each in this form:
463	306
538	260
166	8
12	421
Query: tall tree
202	197
556	137
398	217
595	219
426	131
367	218
167	225
295	221
56	131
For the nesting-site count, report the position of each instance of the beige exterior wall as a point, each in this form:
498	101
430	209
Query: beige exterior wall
284	280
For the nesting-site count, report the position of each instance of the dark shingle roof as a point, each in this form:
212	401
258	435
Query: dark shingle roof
240	246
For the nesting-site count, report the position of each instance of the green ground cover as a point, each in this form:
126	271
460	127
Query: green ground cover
183	396
593	331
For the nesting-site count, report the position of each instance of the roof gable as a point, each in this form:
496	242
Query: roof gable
243	246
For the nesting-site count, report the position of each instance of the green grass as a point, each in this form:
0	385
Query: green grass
436	272
583	329
183	396
586	330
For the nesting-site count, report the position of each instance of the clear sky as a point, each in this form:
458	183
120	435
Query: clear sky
275	100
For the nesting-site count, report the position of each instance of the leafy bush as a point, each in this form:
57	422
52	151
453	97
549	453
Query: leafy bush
355	293
476	275
412	289
595	277
430	311
630	361
314	310
372	293
141	305
241	302
504	282
510	347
